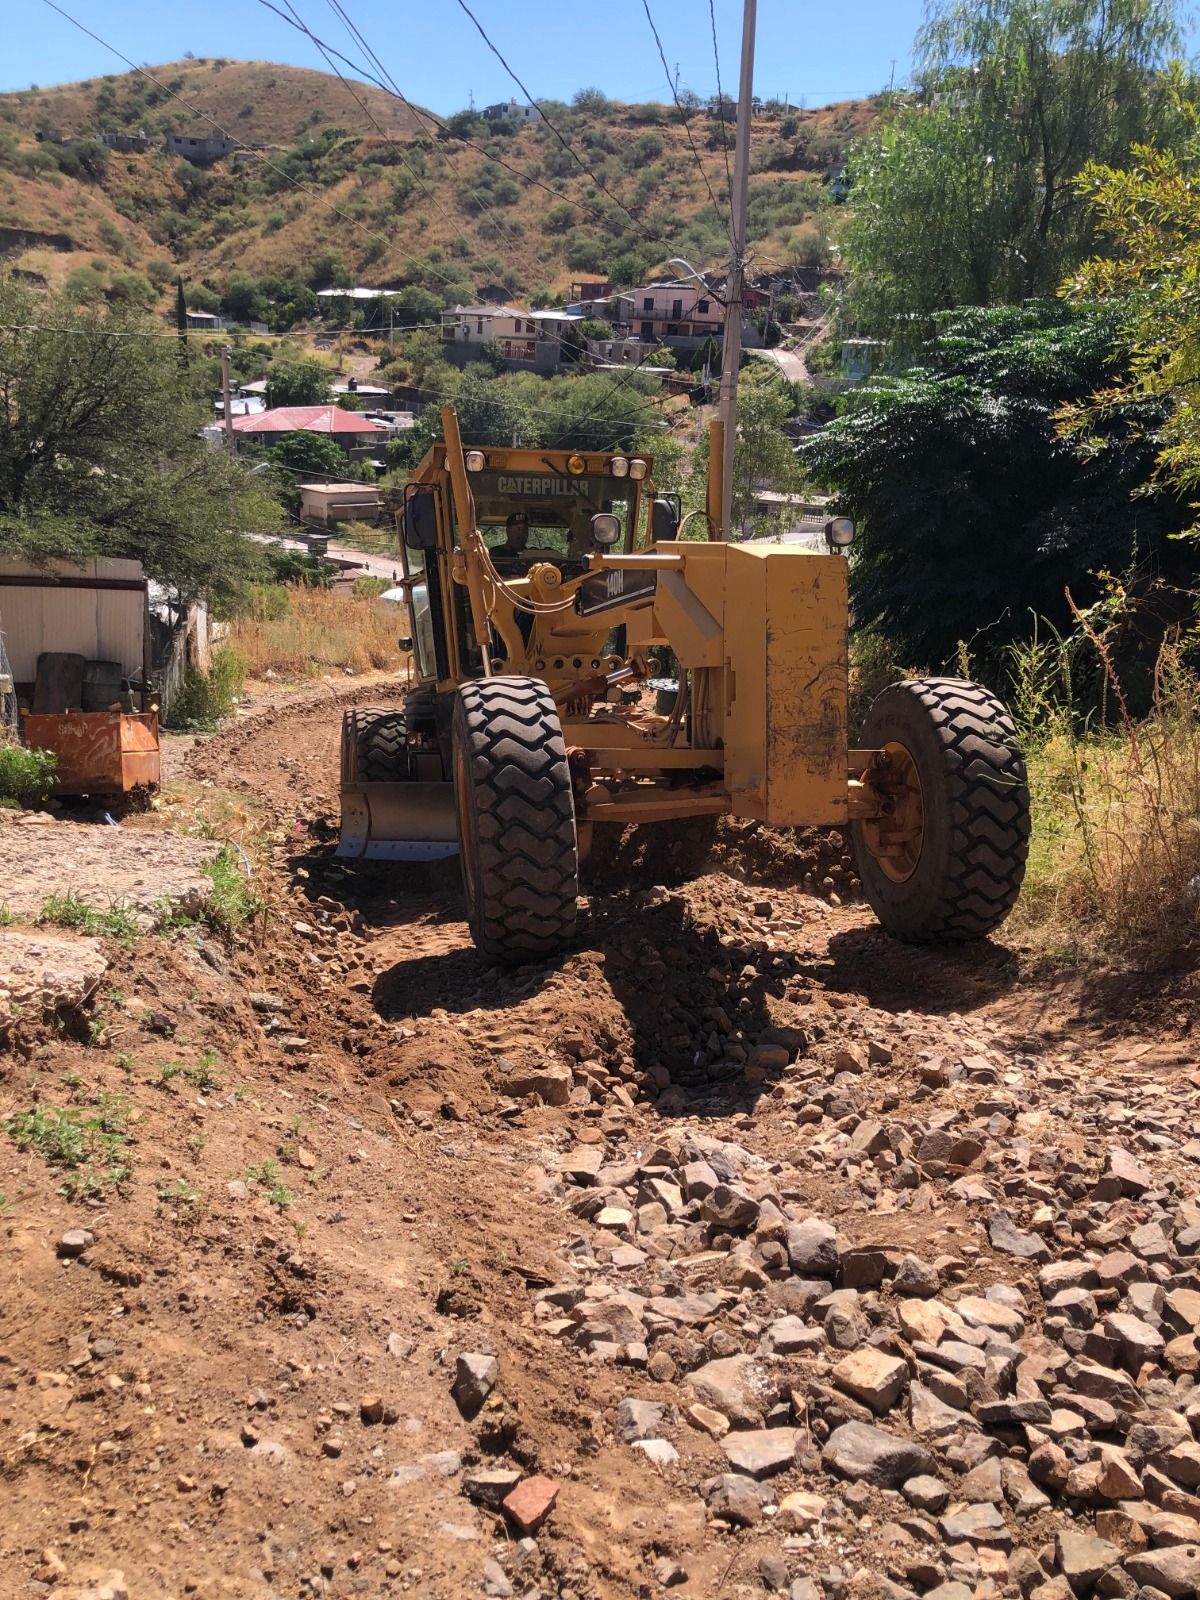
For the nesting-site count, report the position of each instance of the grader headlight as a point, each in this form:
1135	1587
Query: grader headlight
606	530
637	468
619	467
475	461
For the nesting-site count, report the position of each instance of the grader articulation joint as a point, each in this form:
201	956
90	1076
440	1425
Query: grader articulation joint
541	586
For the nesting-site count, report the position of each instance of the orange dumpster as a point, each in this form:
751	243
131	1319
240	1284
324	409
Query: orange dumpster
99	752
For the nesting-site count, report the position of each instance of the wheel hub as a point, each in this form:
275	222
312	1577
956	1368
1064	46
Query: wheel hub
894	836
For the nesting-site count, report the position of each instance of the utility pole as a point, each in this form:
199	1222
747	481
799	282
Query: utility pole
731	353
226	352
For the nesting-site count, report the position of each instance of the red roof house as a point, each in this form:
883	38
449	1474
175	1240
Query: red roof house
347	427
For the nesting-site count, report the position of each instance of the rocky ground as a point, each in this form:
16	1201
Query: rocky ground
739	1252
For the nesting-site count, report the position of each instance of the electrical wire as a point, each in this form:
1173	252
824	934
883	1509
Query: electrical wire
353	30
662	56
566	143
470	144
271	166
712	17
373	119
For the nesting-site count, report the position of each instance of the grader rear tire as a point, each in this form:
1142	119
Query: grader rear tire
379	740
516	819
953	867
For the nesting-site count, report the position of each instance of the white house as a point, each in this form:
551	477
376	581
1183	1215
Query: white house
529	337
512	112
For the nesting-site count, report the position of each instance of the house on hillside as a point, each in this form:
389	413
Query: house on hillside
327	502
531	339
127	143
206	321
679	314
353	432
512	112
199	148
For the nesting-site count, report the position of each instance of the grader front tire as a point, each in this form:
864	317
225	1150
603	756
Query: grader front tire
516	819
953	868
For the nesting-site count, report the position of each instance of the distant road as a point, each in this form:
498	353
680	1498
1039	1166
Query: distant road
789	362
374	566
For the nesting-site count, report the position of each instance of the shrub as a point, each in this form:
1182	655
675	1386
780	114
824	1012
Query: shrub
204	698
26	776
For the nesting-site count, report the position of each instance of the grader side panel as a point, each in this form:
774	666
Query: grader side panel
786	664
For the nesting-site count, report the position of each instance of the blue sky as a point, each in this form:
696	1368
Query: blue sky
808	51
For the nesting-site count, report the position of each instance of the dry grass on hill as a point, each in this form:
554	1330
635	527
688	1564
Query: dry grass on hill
306	632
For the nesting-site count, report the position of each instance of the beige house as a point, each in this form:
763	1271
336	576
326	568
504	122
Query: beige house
341	502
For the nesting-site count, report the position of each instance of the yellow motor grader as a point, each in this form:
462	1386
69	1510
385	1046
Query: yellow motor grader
544	588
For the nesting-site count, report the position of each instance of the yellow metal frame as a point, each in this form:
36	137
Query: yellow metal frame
759	632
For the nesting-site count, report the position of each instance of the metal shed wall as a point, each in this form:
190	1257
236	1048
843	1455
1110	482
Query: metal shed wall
99	623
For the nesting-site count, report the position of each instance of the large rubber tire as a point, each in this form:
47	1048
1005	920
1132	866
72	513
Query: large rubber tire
516	819
976	811
379	740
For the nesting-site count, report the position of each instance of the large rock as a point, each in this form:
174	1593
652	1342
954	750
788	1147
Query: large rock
736	1386
46	972
552	1083
639	1419
859	1451
873	1377
1176	1571
1082	1559
812	1248
735	1498
760	1452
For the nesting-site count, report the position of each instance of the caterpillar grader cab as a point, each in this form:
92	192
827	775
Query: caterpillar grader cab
545	588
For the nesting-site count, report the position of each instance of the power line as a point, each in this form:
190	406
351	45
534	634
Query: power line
353	30
662	56
470	144
233	139
712	17
566	144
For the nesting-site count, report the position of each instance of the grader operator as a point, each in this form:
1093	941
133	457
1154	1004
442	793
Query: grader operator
541	584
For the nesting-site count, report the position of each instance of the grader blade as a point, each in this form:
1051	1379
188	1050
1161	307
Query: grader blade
398	822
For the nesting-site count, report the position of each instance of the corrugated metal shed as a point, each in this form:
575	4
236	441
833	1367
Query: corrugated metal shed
96	609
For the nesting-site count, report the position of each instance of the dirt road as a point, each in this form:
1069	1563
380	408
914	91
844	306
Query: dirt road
740	1251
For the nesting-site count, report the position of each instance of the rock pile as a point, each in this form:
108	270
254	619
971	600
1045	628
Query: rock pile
1018	1413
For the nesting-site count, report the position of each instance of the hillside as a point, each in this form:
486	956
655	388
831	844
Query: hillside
257	102
325	194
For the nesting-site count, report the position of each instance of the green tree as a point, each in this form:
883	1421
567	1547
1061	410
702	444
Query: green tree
972	511
967	195
1150	213
317	454
298	383
101	452
763	457
329	271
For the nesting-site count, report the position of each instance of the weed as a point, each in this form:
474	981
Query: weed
125	1064
203	1076
98	1029
181	1195
71	911
26	776
300	1227
89	1146
266	1175
1114	863
205	698
168	1071
458	1266
318	630
197	1142
6	917
71	1080
230	902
